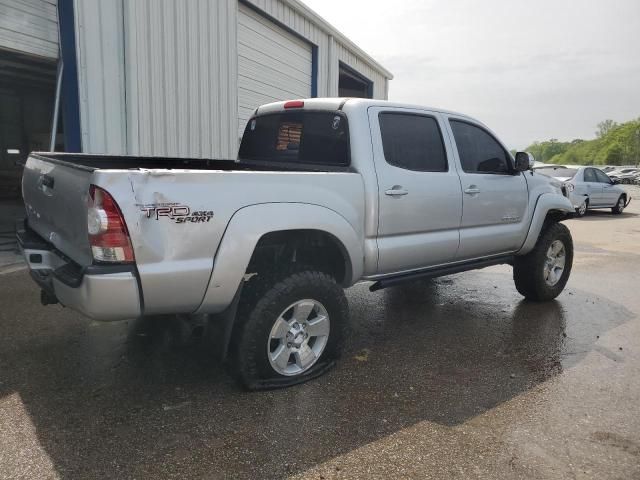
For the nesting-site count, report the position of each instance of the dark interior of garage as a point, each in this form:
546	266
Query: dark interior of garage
27	96
352	84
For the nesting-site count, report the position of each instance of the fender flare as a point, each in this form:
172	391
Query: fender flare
249	224
546	203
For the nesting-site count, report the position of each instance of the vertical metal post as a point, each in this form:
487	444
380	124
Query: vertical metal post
56	106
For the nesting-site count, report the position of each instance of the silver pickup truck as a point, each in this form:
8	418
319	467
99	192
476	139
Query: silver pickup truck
324	193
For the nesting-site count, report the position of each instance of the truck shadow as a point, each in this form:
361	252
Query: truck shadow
442	351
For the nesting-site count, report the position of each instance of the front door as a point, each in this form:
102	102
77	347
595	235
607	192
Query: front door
609	193
495	197
419	194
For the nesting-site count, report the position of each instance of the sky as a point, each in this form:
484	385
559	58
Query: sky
530	70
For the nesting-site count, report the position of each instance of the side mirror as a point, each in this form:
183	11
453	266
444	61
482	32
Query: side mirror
614	181
524	161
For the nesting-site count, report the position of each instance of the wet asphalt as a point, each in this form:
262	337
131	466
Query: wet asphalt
452	378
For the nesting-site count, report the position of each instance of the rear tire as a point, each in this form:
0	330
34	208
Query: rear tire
581	211
542	274
274	348
619	208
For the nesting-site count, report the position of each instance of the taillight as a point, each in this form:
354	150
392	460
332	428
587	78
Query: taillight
108	234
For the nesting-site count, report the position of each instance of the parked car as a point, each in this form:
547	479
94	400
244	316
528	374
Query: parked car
625	175
325	193
590	188
608	169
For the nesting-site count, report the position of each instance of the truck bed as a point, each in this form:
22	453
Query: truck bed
126	162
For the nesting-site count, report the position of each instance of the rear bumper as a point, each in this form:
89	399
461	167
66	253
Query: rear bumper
101	292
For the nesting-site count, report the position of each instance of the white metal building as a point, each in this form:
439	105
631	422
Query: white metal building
164	77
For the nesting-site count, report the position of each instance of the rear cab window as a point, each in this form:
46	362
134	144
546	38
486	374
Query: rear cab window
318	138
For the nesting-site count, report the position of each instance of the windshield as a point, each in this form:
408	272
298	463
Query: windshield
302	137
560	172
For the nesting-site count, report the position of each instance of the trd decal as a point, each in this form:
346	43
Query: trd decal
176	212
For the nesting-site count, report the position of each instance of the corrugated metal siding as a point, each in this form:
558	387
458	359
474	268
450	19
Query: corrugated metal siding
273	64
29	26
294	20
330	50
101	76
181	77
160	77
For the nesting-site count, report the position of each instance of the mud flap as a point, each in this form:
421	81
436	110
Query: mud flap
220	326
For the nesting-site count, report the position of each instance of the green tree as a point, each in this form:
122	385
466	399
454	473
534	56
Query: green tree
605	127
616	144
613	155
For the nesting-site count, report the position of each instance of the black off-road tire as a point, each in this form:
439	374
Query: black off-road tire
262	303
617	210
528	270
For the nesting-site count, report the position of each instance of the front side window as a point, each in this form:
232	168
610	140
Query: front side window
479	152
602	177
412	142
319	138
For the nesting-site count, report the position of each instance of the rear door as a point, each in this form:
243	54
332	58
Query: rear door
418	190
495	198
594	187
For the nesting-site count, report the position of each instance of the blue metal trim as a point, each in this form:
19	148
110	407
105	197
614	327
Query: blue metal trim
314	47
314	71
70	93
358	75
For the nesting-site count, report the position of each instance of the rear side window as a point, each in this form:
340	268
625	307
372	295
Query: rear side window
589	175
412	142
479	152
320	138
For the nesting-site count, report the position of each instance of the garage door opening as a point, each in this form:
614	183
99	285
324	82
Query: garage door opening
27	95
353	84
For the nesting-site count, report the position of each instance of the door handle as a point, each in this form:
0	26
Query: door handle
472	190
396	191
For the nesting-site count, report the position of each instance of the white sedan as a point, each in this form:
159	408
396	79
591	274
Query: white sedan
588	188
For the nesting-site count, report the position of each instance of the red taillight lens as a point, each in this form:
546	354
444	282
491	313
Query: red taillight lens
108	234
294	104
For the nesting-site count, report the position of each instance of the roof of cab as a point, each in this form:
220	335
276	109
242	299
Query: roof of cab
333	104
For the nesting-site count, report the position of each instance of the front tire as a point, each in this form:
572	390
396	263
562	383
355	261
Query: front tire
290	331
542	274
619	208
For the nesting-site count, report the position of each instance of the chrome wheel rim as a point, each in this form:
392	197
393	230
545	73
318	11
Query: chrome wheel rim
298	337
621	204
554	263
583	209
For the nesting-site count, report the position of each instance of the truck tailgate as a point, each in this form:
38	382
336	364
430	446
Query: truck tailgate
55	197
